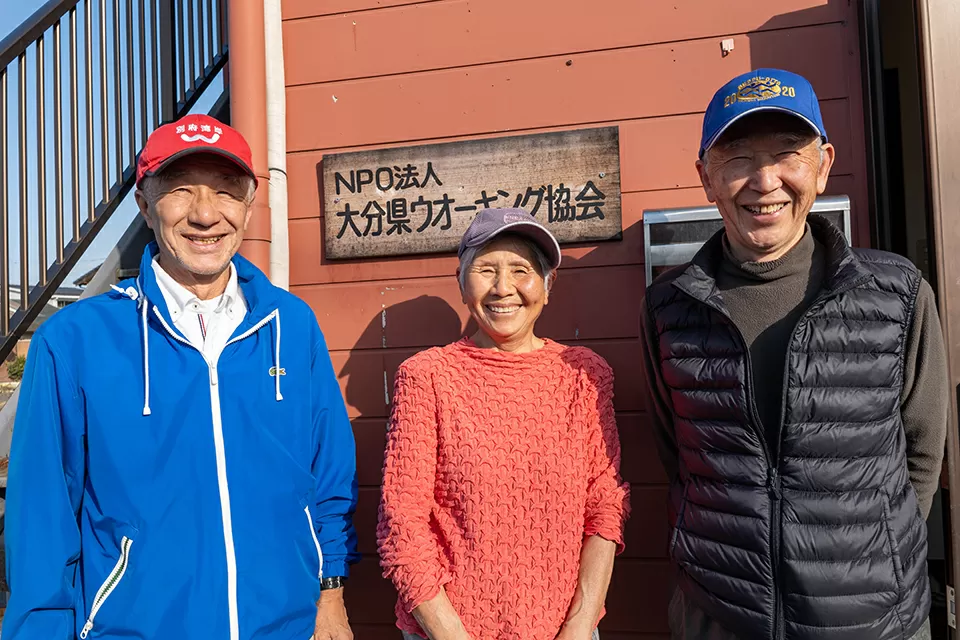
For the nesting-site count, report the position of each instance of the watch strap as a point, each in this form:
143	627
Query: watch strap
332	582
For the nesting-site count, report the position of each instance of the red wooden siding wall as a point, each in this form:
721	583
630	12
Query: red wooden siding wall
368	73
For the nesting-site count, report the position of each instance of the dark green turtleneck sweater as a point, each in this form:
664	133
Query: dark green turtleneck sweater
765	300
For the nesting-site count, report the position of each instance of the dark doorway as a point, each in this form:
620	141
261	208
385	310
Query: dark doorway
901	215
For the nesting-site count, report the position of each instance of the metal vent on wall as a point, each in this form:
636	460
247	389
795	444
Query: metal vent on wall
673	236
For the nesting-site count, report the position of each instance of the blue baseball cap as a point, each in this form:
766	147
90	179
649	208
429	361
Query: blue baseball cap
756	91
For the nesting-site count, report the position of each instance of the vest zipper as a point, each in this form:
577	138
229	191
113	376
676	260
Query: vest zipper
773	479
775	531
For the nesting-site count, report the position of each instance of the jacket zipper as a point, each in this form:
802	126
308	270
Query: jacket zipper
223	486
316	543
773	484
113	579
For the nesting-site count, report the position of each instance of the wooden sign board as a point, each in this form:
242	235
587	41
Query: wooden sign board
418	200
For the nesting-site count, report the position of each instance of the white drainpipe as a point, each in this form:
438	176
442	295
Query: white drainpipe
277	145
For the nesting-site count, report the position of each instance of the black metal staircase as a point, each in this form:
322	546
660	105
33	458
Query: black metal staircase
83	83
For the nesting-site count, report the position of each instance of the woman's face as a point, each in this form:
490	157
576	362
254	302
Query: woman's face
504	291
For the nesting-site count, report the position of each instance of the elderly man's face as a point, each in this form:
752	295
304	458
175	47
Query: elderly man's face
764	174
198	209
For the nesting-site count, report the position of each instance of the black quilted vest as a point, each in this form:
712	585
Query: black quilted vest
817	535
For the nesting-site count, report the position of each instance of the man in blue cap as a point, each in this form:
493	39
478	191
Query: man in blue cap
798	390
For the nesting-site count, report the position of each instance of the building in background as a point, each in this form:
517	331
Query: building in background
380	74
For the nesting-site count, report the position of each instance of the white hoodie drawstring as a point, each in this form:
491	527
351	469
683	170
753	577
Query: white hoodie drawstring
136	295
144	305
146	358
277	356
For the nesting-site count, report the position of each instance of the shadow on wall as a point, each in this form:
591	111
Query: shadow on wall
428	317
397	332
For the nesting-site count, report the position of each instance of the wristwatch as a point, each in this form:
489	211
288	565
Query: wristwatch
333	582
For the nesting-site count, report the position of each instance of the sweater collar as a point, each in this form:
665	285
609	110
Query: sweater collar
795	261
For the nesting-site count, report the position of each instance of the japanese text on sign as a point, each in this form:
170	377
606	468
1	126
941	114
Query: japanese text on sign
421	199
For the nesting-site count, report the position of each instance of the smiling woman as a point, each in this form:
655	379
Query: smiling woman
505	285
503	459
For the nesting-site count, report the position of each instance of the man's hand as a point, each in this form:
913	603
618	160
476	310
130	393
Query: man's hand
332	623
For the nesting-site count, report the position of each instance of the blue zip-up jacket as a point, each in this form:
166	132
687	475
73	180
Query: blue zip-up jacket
152	494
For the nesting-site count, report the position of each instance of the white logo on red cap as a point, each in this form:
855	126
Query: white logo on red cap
182	130
200	136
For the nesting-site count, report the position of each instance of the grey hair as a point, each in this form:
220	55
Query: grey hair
151	186
470	254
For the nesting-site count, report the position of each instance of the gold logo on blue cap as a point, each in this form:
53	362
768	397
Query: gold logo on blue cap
759	89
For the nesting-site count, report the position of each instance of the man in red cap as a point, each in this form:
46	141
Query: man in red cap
178	470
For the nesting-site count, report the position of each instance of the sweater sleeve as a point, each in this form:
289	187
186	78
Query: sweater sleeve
410	552
924	403
608	497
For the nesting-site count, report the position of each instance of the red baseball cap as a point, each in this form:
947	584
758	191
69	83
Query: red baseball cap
195	133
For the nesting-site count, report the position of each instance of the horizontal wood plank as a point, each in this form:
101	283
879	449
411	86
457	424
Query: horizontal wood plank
461	33
664	80
655	154
366	380
638	597
365	520
645	535
640	462
370	597
374	631
371	437
300	9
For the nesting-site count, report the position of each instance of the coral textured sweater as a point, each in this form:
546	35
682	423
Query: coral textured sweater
498	465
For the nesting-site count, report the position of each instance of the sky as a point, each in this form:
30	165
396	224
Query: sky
12	14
